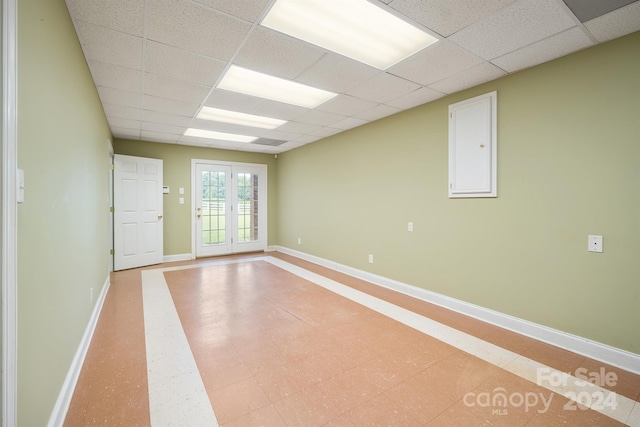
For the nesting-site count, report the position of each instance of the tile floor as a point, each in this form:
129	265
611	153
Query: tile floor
273	340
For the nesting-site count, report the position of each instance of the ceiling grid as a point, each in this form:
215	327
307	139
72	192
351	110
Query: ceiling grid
157	63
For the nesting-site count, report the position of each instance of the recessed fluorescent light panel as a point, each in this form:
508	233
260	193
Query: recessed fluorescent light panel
226	116
209	134
356	28
238	79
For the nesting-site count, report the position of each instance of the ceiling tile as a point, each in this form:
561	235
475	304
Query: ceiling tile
337	73
349	123
119	97
472	77
317	117
303	140
276	54
434	63
346	105
280	110
158	137
618	23
169	106
249	10
165	87
327	131
522	23
105	45
161	128
587	10
124	123
415	98
545	50
179	64
233	101
195	28
268	141
284	135
383	87
227	128
163	118
126	16
121	112
377	112
297	127
114	77
194	141
445	17
124	133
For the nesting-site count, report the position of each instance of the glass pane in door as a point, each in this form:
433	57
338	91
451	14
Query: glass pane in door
213	207
247	207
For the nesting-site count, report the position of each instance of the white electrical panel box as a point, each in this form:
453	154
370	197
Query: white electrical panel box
473	147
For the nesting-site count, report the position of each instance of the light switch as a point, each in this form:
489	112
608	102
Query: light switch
595	243
181	200
181	190
20	185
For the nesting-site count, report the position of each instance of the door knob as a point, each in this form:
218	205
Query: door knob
159	216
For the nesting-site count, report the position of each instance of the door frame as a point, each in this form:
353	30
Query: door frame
264	207
9	213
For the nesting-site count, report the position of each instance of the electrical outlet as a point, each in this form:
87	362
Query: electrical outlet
91	295
370	259
410	226
595	243
299	240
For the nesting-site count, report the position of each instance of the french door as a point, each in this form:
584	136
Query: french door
230	207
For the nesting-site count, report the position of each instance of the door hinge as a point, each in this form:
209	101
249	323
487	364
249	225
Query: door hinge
110	251
113	166
111	209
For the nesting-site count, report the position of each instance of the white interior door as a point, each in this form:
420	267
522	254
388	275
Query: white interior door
230	203
138	231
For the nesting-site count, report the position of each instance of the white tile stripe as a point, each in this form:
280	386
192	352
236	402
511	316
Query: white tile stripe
177	396
626	411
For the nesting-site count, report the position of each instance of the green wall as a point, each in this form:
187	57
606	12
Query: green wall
62	225
568	166
177	173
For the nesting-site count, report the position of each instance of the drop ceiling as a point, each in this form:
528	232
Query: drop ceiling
156	63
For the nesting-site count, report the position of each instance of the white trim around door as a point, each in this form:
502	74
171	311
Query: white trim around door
9	212
229	207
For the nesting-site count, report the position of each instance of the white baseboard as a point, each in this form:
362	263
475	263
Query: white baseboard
61	407
177	257
592	349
